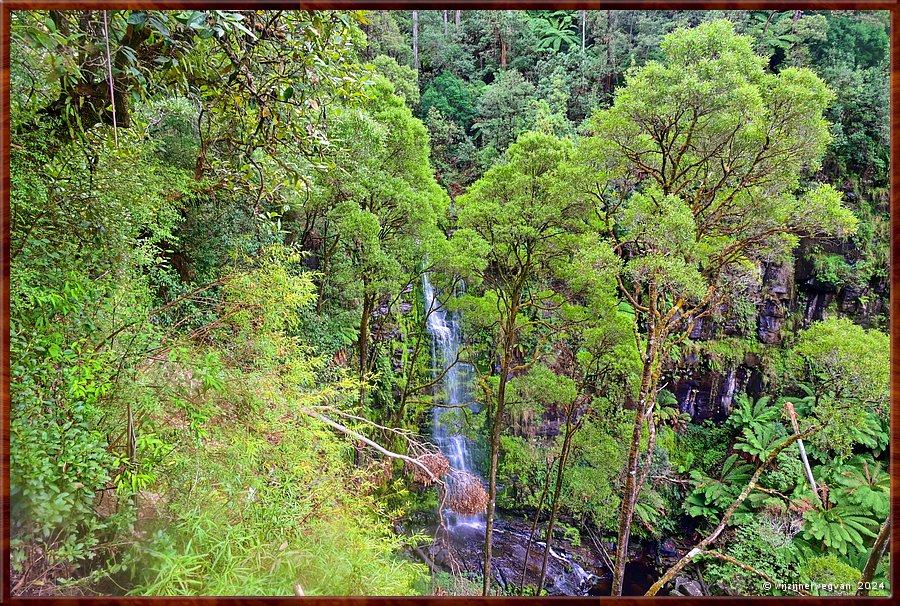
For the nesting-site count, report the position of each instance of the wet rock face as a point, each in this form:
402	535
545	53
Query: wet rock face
771	322
864	304
778	287
791	297
705	394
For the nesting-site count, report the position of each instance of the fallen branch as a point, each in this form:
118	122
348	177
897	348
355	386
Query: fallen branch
702	545
358	436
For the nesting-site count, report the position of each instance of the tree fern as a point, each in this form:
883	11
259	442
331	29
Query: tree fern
842	528
865	484
759	439
751	414
711	496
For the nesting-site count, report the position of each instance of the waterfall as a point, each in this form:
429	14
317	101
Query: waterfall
728	396
444	331
466	533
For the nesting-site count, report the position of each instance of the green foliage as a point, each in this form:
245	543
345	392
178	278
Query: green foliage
186	287
590	480
864	483
712	496
689	247
522	470
832	269
847	366
538	390
452	150
264	517
452	97
699	447
554	30
764	543
841	528
831	576
404	78
750	413
384	37
501	110
759	440
569	533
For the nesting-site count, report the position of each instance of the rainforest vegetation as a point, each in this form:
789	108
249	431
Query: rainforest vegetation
449	302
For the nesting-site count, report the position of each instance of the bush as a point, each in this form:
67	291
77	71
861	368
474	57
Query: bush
830	576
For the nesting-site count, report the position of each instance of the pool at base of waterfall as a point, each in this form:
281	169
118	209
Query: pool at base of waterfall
572	570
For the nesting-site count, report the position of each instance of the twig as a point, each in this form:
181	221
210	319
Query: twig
112	94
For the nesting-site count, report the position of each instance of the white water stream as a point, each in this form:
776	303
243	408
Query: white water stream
566	577
445	333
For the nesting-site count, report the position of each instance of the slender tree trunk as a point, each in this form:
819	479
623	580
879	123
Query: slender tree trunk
554	507
797	15
809	474
768	21
415	19
112	93
326	258
368	305
632	484
509	342
492	480
132	448
446	23
534	524
457	17
872	563
583	25
609	61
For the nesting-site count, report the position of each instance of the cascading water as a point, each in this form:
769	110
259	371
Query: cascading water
445	333
565	576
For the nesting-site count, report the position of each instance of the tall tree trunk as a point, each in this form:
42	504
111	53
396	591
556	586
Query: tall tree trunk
609	61
583	25
446	23
326	260
646	399
415	17
872	563
554	507
363	346
457	17
502	52
509	342
768	21
797	15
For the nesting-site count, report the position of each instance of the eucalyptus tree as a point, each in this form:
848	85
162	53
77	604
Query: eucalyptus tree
696	172
515	225
595	358
380	208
